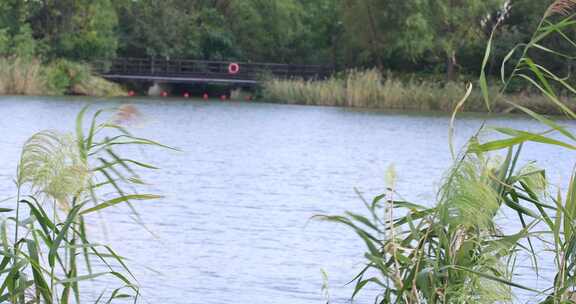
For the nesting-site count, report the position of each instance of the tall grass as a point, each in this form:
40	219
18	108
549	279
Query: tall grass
452	250
371	89
46	252
21	76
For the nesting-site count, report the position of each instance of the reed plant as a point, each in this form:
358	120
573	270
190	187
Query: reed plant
372	89
19	76
452	250
29	76
328	93
62	180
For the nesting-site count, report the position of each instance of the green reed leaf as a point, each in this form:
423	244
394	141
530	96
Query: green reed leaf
62	235
119	200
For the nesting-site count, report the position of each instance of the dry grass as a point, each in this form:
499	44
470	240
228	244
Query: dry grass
21	77
98	86
328	93
561	7
366	89
370	89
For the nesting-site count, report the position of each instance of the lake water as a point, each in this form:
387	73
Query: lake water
234	226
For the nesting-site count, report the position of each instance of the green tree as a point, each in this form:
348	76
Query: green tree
13	14
456	24
377	28
322	40
75	29
520	22
166	29
23	44
216	40
16	36
268	30
4	42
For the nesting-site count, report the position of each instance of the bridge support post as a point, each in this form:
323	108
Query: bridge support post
157	88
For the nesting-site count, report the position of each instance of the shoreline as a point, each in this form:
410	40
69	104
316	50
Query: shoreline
499	111
369	89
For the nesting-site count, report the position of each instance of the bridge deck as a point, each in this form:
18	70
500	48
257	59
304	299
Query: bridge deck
196	71
166	79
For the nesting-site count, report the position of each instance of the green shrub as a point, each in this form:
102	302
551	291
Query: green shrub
64	75
58	80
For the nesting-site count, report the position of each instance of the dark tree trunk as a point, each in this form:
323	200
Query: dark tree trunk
451	63
334	52
374	36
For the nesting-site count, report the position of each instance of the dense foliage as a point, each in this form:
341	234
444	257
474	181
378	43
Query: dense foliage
413	35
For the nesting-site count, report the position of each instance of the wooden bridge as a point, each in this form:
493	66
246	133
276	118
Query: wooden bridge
198	71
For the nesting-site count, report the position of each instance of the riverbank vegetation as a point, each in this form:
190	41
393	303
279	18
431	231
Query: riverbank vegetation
454	249
63	180
19	77
372	89
30	76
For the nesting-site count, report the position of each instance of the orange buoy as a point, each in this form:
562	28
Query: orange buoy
186	95
131	93
223	97
205	96
164	94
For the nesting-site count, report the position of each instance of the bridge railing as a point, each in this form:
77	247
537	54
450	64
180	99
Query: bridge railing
207	69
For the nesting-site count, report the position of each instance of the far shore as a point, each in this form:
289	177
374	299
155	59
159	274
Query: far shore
370	89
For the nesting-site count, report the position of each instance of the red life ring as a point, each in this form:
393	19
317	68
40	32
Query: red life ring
233	68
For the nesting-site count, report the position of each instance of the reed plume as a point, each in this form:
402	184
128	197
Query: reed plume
561	7
51	164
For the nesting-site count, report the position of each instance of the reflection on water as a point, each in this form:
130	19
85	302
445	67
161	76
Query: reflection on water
235	221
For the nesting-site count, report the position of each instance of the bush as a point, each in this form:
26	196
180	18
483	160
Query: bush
64	75
58	80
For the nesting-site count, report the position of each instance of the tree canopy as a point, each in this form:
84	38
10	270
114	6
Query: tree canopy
432	36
